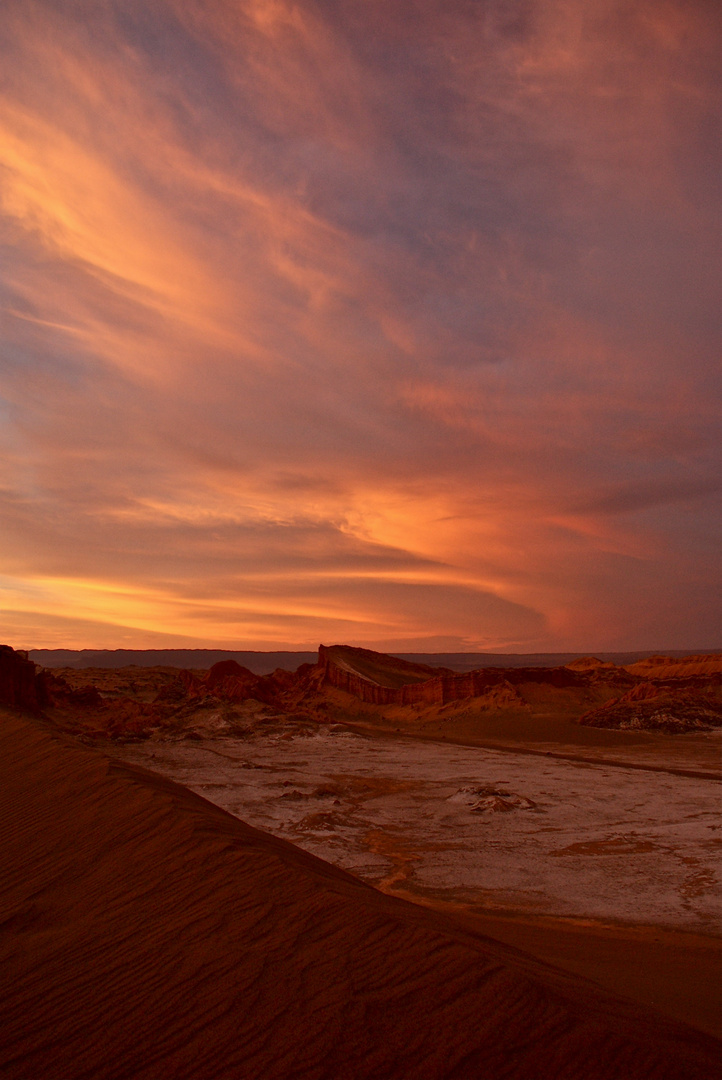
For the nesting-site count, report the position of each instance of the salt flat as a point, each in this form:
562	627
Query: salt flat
483	827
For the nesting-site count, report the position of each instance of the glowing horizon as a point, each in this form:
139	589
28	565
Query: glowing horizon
396	325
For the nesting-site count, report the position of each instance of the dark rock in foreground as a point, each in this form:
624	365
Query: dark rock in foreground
20	686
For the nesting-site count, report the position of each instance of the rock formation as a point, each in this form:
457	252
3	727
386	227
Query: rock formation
652	707
351	670
419	685
21	686
659	694
703	665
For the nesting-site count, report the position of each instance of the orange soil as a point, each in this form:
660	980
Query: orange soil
148	934
670	667
677	972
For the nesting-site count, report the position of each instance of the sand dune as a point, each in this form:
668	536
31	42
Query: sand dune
147	934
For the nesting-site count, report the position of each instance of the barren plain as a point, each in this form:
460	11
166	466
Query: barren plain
146	930
562	857
488	828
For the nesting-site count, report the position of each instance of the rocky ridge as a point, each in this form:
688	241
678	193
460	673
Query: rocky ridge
21	685
661	706
660	694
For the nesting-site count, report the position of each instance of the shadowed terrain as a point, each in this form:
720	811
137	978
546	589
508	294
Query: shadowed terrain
147	933
567	703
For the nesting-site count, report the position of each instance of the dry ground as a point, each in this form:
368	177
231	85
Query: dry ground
146	934
612	872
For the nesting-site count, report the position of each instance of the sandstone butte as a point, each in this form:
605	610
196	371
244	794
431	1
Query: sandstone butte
384	680
148	934
660	694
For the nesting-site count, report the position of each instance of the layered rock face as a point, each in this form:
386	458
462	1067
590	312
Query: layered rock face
704	665
677	696
421	685
439	690
20	685
656	695
654	707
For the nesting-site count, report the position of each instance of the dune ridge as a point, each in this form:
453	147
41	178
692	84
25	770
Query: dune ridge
148	934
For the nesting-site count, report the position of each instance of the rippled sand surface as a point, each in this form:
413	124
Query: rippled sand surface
609	872
148	934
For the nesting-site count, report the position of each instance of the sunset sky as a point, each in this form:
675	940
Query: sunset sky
387	322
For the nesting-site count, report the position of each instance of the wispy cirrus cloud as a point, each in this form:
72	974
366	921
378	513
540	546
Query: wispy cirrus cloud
409	308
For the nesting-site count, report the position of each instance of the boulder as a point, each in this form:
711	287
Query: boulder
20	685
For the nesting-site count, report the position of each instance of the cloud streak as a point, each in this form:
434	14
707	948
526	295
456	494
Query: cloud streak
383	322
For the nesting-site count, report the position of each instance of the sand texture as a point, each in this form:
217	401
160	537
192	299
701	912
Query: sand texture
608	871
147	933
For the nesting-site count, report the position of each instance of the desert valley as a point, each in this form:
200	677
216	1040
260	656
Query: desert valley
392	326
190	853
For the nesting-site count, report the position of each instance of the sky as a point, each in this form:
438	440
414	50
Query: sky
385	322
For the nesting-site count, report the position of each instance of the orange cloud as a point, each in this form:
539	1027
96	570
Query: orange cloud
362	321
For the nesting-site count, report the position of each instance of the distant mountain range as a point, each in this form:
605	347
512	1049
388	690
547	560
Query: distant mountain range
263	663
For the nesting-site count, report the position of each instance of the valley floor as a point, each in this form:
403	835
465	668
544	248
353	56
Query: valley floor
609	871
147	934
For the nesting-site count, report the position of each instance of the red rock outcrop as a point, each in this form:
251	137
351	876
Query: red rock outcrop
59	692
339	666
229	682
641	692
652	707
671	667
20	684
83	711
591	664
233	682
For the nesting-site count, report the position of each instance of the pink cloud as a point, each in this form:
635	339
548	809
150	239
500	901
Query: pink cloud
385	322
